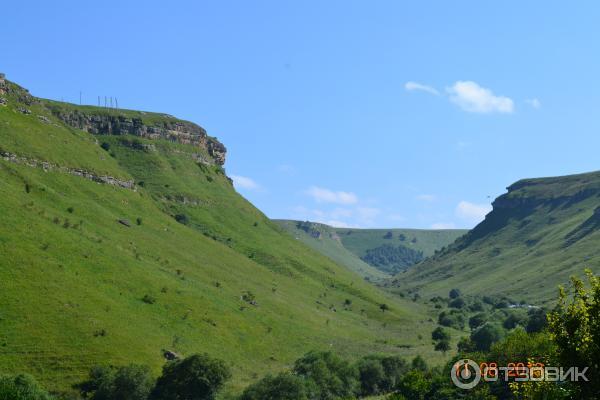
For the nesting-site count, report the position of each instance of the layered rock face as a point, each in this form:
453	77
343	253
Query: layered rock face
171	129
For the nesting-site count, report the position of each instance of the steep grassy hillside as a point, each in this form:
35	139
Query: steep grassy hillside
121	237
538	234
325	240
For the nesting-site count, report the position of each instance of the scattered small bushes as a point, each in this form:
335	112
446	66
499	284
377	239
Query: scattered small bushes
149	299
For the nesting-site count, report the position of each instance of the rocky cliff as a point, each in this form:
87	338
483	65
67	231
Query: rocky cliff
113	122
110	121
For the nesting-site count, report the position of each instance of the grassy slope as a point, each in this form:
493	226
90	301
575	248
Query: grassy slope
539	233
359	241
62	286
330	244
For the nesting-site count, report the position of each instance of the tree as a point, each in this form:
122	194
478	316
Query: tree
443	346
327	375
414	385
574	326
537	321
465	345
284	386
133	382
384	307
485	335
458	302
477	320
454	293
198	377
419	364
371	376
440	333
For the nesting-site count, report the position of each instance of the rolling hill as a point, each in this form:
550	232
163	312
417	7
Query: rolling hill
538	234
372	253
123	237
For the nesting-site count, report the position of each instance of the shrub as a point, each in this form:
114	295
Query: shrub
71	210
477	320
149	299
440	333
284	386
138	221
419	364
442	345
105	146
484	336
21	387
198	377
457	303
371	376
454	293
182	219
537	321
513	320
133	382
327	376
465	345
452	319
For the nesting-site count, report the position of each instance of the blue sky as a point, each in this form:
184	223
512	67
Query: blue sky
356	113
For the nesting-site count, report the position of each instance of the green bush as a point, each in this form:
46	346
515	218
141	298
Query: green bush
440	333
327	375
198	377
487	334
21	387
132	382
284	386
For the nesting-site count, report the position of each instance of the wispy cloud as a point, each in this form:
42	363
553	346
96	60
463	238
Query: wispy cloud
471	97
322	195
243	182
443	225
535	103
427	198
411	86
472	212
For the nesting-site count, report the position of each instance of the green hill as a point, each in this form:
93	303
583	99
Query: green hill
325	240
538	234
372	253
393	250
122	236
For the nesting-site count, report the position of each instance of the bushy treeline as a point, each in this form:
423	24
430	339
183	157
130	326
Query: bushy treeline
325	375
392	259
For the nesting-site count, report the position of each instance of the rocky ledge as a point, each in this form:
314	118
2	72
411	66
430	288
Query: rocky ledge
114	123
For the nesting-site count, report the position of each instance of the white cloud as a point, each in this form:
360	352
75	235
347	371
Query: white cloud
472	212
338	224
471	97
322	195
410	86
443	225
535	103
243	182
428	198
